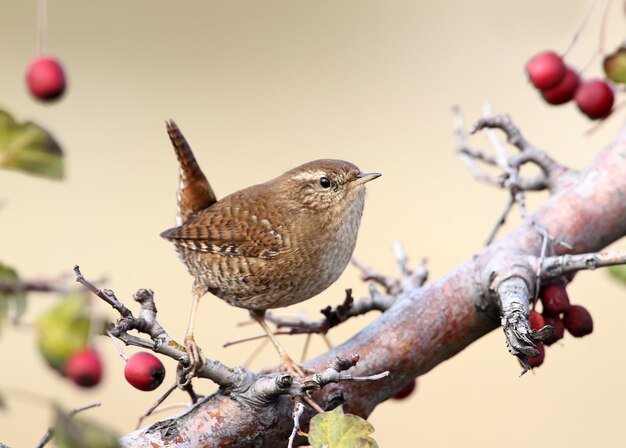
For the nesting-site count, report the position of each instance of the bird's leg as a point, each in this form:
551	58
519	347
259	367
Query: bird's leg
291	365
193	351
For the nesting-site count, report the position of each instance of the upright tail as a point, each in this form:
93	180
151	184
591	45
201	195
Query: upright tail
194	191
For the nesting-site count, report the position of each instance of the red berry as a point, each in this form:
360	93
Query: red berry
45	78
545	70
144	371
536	320
536	361
84	368
406	390
559	329
554	299
595	98
578	321
564	90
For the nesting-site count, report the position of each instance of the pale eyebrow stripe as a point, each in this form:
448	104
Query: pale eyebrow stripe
307	175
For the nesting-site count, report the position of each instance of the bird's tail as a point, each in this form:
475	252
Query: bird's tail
194	191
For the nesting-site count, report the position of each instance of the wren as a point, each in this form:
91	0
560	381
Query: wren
269	245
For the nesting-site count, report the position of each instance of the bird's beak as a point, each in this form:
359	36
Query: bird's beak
363	178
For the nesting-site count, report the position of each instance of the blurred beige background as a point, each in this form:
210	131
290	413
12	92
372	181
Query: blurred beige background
259	87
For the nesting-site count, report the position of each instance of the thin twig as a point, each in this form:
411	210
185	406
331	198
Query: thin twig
333	316
308	400
554	267
580	28
500	221
305	347
118	346
369	274
502	159
256	352
156	404
326	339
107	295
298	410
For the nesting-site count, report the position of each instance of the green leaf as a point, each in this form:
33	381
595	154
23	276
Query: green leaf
335	429
10	294
63	330
615	66
618	272
76	432
29	148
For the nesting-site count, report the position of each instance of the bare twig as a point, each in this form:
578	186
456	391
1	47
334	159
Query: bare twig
106	294
409	278
156	404
555	267
369	274
553	175
394	286
118	347
495	142
500	221
333	316
581	27
312	404
601	39
298	410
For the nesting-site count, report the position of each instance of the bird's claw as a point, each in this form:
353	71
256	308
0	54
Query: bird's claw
196	360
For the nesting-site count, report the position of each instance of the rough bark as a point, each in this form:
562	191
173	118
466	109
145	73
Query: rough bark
426	325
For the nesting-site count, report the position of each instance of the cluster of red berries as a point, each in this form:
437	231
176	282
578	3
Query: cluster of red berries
561	315
143	370
560	83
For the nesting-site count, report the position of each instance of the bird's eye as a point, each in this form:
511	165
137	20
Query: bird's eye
324	182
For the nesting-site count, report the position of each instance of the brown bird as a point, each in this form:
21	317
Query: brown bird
270	245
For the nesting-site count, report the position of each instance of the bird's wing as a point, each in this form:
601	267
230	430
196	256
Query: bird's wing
225	231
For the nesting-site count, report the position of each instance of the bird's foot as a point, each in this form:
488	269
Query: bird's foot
196	359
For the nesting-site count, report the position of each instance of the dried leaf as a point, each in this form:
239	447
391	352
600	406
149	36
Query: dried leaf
615	66
76	432
29	148
334	429
63	330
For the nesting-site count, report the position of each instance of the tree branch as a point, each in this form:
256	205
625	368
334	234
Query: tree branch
429	324
554	267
